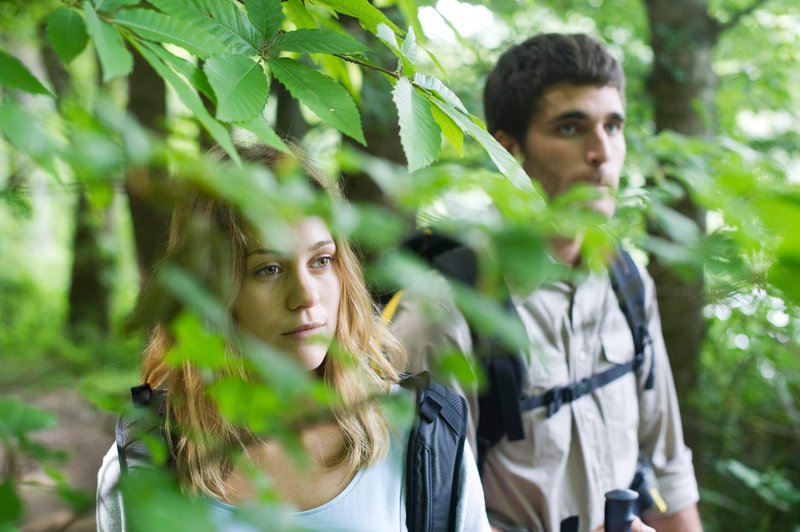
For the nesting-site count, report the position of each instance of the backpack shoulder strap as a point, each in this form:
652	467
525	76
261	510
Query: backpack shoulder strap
435	452
629	289
139	429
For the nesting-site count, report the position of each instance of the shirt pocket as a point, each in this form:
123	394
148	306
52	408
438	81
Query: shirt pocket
618	398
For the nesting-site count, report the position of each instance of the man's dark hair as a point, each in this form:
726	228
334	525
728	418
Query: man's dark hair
525	71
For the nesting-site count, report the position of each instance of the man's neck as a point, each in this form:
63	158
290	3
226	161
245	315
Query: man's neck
567	250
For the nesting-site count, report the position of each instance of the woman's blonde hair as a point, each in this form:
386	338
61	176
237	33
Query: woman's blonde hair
197	430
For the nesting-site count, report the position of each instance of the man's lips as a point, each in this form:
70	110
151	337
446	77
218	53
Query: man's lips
304	330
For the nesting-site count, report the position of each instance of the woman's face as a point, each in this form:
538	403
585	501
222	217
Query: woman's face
289	299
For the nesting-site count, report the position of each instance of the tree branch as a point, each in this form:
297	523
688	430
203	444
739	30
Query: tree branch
364	64
739	15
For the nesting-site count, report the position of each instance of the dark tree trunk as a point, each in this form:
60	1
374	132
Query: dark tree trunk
90	286
150	217
90	290
682	84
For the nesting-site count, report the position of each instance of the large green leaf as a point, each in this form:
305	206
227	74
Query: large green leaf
66	32
408	53
189	98
265	15
107	6
17	419
440	89
328	100
368	15
114	58
158	27
261	129
503	160
224	20
191	72
419	132
317	41
450	129
240	85
28	136
14	74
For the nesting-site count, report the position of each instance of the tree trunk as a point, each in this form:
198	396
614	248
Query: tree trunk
682	84
150	218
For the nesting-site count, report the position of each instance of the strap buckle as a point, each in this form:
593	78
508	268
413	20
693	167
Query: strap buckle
554	398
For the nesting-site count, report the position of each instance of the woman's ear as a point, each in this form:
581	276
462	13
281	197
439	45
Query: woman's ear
508	142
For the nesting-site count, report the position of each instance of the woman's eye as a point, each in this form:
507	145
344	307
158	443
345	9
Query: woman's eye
270	270
613	128
323	262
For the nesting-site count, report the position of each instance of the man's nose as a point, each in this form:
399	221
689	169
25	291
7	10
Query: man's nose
303	293
597	147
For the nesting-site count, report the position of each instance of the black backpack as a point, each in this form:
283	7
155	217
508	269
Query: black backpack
434	455
504	369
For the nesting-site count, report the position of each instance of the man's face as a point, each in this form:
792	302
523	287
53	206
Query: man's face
576	136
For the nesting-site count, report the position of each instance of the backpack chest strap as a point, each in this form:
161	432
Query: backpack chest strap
557	396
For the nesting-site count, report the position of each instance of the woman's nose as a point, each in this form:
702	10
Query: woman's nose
303	293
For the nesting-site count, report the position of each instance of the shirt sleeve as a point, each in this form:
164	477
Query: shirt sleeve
430	326
110	515
660	428
471	508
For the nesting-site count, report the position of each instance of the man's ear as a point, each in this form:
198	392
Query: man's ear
508	142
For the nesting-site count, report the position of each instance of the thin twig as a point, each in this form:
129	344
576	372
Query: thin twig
364	64
739	15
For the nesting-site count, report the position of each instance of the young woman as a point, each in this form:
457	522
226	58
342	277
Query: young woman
299	290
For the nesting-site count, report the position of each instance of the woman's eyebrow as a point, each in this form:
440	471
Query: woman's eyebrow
265	251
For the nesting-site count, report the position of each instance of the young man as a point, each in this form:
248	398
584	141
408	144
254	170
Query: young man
557	102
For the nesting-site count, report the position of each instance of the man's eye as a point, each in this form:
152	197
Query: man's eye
614	128
567	129
269	270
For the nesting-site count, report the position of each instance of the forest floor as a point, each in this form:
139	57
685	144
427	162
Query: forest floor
85	434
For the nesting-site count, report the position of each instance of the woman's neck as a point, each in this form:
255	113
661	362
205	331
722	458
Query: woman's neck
304	484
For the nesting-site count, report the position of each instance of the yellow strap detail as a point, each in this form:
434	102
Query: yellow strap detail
660	504
391	307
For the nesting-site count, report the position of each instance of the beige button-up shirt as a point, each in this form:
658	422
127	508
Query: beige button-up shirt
566	463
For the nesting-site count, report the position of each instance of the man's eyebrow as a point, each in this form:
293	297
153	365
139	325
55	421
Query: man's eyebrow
265	251
580	115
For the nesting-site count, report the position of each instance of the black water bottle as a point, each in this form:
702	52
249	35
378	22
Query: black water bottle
620	506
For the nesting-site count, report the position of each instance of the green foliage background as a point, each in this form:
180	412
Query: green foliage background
358	68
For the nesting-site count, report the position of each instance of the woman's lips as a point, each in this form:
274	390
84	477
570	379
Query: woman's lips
304	331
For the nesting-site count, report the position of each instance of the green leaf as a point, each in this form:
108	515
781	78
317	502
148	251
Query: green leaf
265	15
114	58
17	419
385	34
503	160
450	129
261	129
240	85
195	344
190	99
158	27
419	132
28	136
328	100
10	505
408	53
317	41
66	32
368	15
440	89
14	74
224	20
107	6
195	75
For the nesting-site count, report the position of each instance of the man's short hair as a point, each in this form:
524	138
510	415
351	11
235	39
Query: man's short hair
524	72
